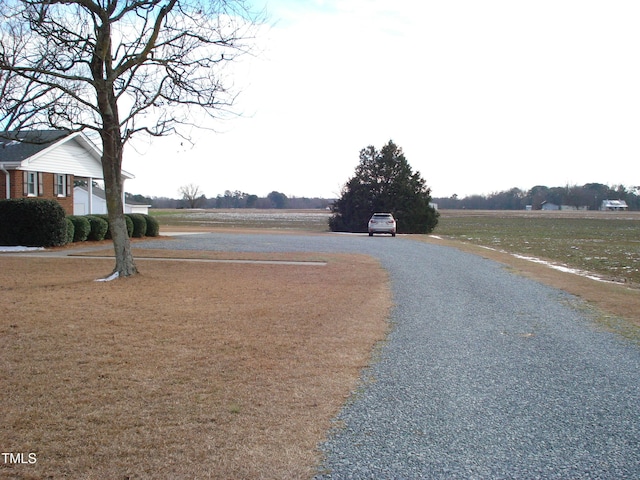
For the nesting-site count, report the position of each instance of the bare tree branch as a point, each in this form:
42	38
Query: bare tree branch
119	68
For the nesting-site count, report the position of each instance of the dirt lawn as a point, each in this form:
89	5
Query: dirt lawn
190	370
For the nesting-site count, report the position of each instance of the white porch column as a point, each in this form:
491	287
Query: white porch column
90	192
124	208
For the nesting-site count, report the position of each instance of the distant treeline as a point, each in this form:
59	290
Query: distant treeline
234	199
588	196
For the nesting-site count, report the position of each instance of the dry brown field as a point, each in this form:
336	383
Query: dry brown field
189	370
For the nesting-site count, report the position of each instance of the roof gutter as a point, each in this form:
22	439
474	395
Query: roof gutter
7	179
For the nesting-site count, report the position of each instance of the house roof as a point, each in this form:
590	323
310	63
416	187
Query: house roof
36	149
16	146
97	191
614	203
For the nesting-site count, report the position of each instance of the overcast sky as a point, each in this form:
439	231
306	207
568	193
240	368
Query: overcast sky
482	96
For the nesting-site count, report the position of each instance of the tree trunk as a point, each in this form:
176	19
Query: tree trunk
125	266
112	172
112	147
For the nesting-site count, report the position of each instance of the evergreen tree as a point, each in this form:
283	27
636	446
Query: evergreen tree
384	182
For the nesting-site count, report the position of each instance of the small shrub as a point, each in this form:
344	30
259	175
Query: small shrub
139	224
82	227
99	227
32	222
153	226
71	229
105	217
127	220
130	227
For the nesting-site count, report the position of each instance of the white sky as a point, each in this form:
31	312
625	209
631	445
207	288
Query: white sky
482	95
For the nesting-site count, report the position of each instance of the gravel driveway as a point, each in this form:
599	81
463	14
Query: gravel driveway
485	374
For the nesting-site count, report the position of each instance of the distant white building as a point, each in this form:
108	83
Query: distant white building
549	206
553	206
613	205
573	207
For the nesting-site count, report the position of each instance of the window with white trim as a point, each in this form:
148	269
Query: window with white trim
31	184
61	185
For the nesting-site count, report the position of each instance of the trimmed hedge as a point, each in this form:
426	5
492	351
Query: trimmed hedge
127	220
32	222
71	230
105	217
130	226
92	227
82	227
99	227
153	226
139	224
38	222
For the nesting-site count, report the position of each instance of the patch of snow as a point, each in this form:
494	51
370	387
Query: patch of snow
436	237
492	249
19	249
111	277
561	268
555	266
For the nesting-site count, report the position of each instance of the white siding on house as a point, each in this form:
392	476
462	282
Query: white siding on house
144	209
549	206
79	209
81	203
99	204
69	158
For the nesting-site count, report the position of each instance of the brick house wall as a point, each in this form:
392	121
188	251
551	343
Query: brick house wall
16	189
48	190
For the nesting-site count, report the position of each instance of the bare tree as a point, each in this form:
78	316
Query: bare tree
191	194
119	68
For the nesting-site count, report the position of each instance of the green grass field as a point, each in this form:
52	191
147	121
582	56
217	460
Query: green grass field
604	243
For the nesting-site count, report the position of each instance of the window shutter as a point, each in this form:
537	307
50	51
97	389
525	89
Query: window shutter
25	183
69	186
40	184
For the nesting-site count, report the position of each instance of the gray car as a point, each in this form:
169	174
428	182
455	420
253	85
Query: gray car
382	223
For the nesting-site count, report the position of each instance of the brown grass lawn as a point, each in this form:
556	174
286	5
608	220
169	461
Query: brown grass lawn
189	370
